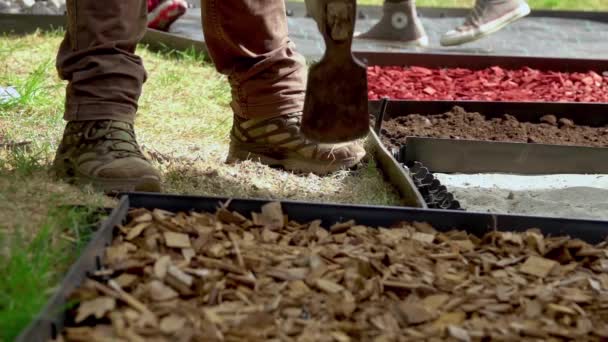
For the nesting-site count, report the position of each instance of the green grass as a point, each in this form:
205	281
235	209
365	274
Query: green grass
35	265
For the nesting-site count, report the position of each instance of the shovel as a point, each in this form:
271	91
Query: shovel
335	108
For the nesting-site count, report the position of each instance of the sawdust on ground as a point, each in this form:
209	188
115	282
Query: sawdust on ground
197	171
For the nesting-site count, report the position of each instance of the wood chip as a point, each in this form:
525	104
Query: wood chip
459	333
177	240
414	313
161	215
126	279
171	324
339	336
341	227
297	273
268	236
180	275
97	307
556	308
159	291
137	230
115	291
188	254
538	266
464	245
144	217
328	286
221	265
435	302
272	215
161	266
450	318
423	237
222	277
119	252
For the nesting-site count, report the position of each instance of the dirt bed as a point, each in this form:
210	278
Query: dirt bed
224	277
459	124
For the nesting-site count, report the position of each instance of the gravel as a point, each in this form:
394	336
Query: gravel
38	7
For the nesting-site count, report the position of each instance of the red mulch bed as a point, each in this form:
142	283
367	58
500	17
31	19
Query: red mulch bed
491	84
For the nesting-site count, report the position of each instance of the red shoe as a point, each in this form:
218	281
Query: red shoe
163	13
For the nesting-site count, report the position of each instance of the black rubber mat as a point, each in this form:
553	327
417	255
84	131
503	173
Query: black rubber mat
531	36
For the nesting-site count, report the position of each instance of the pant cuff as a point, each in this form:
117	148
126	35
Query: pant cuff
288	106
99	111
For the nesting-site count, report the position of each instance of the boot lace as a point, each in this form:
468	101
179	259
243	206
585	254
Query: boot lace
476	15
118	137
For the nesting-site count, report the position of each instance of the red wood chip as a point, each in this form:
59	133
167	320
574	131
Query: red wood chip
491	84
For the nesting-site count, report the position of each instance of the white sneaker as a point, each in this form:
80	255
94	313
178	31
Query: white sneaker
400	24
487	17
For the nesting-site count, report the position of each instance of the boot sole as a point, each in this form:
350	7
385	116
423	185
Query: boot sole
107	186
489	28
291	164
142	184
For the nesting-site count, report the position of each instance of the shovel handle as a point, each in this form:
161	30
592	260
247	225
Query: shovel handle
336	22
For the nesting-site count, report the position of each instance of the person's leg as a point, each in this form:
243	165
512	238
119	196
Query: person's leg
399	23
487	17
105	78
248	42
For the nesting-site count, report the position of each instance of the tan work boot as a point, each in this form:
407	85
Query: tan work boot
278	142
399	23
105	154
487	17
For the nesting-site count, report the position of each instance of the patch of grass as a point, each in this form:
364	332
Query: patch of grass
24	161
33	266
31	89
202	177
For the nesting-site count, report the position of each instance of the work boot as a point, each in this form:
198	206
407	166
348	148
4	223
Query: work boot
399	23
105	154
487	17
277	141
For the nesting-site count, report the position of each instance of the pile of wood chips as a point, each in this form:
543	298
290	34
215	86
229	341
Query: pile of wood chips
223	277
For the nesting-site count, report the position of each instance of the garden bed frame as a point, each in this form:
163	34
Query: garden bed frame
50	322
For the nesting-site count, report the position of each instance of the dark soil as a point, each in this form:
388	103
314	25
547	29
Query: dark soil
458	124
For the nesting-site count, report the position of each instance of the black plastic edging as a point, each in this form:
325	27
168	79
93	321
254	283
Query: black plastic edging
432	191
588	114
395	174
477	62
592	231
476	156
28	23
298	9
469	156
50	322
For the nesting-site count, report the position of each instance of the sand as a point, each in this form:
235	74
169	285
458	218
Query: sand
568	196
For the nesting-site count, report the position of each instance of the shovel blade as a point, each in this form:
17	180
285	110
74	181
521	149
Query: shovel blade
335	108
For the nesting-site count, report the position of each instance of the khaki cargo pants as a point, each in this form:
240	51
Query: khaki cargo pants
247	40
